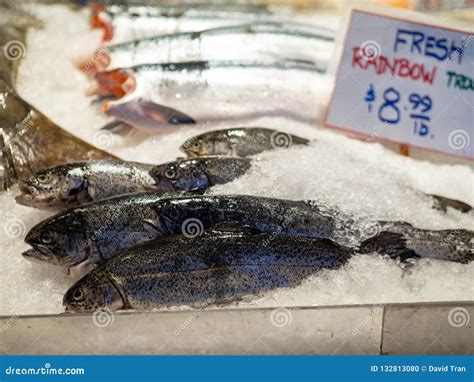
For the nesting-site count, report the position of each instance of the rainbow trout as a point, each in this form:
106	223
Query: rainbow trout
212	268
239	141
69	185
97	231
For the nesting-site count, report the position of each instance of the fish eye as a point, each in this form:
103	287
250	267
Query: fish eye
47	238
78	295
170	173
43	178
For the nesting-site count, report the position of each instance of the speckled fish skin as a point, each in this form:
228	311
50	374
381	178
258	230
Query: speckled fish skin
198	173
73	184
402	240
211	268
97	231
239	141
261	41
156	96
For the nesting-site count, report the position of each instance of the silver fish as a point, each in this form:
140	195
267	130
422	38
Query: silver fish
141	22
261	41
160	95
212	268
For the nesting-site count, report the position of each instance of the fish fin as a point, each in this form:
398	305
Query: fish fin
80	269
165	114
153	227
389	243
442	203
118	127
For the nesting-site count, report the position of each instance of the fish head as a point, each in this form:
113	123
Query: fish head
197	147
95	291
60	240
180	175
54	188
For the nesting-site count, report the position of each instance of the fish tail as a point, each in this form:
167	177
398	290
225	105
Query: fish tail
389	243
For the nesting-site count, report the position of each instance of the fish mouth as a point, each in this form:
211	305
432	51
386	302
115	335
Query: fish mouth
28	199
39	254
117	82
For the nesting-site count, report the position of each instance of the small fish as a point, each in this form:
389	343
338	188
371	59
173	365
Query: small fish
97	231
402	240
239	141
258	42
161	95
30	142
138	22
199	173
214	268
72	184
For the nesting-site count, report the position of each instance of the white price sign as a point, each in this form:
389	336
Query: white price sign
406	82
